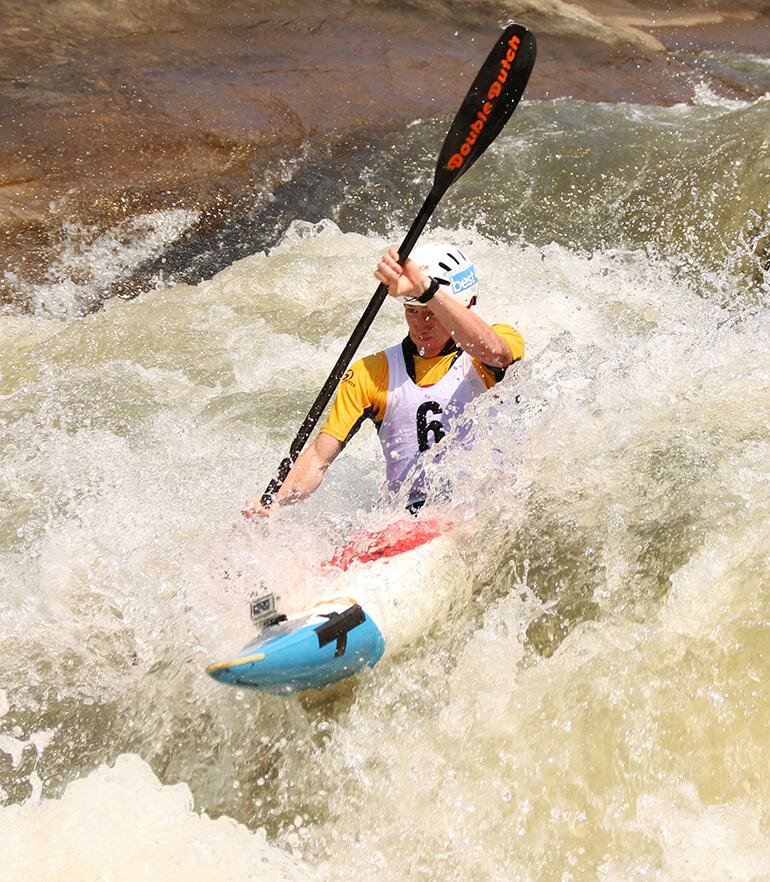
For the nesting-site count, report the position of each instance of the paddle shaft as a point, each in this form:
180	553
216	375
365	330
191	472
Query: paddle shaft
359	332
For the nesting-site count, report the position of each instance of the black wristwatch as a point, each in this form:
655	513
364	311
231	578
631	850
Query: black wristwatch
428	295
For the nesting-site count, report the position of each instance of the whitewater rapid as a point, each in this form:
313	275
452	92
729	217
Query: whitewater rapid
597	711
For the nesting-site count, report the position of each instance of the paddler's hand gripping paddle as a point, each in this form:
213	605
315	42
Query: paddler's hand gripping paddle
492	98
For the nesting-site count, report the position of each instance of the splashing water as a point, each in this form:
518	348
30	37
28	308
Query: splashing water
597	711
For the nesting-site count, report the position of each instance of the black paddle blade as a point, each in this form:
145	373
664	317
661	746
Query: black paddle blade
492	98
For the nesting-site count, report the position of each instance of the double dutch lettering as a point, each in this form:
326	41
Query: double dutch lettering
456	160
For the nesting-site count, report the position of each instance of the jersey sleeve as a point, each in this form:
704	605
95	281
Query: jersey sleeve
492	374
513	338
361	394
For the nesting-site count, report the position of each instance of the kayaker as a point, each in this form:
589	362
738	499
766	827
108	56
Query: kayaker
416	390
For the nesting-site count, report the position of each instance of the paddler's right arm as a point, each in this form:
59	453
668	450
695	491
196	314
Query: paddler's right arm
361	394
305	476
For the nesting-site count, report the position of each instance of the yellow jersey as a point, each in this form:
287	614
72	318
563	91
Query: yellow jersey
363	391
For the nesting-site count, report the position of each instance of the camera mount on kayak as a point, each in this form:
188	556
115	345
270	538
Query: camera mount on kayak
263	611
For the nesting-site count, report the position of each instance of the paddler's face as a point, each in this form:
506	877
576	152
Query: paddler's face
426	331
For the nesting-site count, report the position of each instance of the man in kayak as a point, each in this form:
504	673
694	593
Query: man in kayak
416	390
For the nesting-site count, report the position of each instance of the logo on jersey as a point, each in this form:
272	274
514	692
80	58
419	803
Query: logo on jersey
464	280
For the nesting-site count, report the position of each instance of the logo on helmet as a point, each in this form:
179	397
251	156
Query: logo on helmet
463	280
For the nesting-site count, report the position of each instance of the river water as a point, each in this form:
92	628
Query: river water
599	710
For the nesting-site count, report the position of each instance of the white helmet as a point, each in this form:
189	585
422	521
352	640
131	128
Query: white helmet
448	266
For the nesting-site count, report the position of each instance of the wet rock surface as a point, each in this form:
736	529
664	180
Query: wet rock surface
185	106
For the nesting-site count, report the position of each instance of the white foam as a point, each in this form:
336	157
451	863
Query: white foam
615	518
705	96
705	843
91	261
121	823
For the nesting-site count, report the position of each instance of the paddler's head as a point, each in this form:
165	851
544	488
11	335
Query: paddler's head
457	276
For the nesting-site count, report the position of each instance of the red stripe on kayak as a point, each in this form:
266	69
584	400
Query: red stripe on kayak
365	547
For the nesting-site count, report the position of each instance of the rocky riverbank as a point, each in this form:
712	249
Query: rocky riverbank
184	106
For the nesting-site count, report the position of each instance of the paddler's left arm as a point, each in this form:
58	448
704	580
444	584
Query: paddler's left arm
471	333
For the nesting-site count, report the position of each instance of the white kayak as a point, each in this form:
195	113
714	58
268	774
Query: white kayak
376	595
